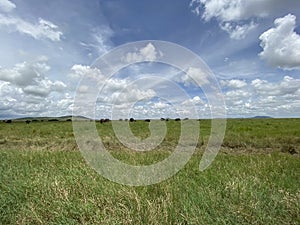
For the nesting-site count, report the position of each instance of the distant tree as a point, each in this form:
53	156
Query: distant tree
132	120
53	120
177	119
147	120
27	121
8	121
104	120
162	119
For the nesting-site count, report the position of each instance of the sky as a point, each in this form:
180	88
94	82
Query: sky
47	47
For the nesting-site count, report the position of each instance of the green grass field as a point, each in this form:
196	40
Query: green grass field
255	179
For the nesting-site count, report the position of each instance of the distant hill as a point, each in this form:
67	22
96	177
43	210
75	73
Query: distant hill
60	118
262	117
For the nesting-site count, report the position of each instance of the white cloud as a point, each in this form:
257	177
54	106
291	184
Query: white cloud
193	101
197	100
229	12
42	30
7	93
148	53
37	90
160	105
6	5
78	71
24	74
237	32
234	10
281	45
237	94
30	77
288	86
193	76
66	104
14	102
44	88
113	90
262	97
102	36
234	83
123	91
130	95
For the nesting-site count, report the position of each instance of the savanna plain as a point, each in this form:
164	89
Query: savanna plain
255	178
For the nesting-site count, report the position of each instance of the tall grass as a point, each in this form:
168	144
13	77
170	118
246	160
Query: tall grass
45	180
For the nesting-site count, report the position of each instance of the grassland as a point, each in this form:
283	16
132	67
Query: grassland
255	179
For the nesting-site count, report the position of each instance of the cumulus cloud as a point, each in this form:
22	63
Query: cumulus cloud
152	109
196	100
277	98
37	90
288	86
281	44
24	74
78	71
129	95
237	94
235	10
113	90
234	83
30	77
123	91
6	5
44	88
160	105
14	102
148	53
7	93
193	76
262	97
228	13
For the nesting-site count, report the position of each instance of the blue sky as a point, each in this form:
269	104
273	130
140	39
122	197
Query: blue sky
252	47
